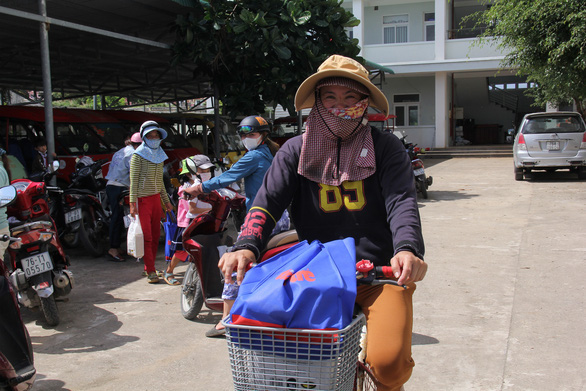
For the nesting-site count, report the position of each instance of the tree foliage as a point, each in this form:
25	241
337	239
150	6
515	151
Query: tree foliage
546	40
257	52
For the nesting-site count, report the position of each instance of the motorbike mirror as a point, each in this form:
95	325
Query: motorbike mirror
7	195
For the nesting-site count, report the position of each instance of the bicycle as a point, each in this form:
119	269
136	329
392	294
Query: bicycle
272	358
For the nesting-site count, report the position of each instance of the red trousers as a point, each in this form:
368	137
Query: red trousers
150	213
389	320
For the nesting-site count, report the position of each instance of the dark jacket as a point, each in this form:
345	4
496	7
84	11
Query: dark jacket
379	212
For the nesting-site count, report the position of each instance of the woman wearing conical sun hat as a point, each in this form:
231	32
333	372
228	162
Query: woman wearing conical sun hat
346	179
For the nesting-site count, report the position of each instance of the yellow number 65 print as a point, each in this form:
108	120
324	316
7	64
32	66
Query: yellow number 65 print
350	195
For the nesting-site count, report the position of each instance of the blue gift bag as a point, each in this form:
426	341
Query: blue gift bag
308	286
170	227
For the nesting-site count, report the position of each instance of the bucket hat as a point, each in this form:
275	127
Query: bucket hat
339	66
149	126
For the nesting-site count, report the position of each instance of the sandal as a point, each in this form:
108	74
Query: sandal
152	278
114	258
170	279
215	333
145	274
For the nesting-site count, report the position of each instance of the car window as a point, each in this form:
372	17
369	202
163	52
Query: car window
229	139
174	139
555	124
112	134
77	138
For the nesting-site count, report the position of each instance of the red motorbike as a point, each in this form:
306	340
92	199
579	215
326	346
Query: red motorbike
17	371
206	239
37	261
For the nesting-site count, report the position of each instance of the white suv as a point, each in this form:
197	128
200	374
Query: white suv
550	141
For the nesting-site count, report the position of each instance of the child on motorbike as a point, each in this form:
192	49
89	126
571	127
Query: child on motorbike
254	133
342	179
195	170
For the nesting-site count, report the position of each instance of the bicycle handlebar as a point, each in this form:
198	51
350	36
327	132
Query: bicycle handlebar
368	274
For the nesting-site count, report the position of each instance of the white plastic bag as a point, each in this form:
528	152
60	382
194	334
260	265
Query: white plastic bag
135	238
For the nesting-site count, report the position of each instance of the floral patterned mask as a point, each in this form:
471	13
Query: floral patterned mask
353	112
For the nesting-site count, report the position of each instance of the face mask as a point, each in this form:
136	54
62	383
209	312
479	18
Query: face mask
353	112
251	143
152	144
205	176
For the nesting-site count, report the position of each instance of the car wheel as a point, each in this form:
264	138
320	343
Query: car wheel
518	174
582	173
528	174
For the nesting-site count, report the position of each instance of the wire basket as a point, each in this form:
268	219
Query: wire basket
267	358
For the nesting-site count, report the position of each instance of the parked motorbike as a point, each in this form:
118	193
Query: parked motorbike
206	239
17	371
88	189
422	182
38	264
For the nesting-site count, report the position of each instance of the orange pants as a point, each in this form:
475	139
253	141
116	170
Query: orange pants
389	321
150	213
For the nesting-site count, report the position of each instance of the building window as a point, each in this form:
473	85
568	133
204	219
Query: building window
406	109
429	26
395	28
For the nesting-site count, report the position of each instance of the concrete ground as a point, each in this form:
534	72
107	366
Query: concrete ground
502	306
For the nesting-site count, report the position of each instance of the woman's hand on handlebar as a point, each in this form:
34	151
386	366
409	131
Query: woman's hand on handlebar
408	267
237	260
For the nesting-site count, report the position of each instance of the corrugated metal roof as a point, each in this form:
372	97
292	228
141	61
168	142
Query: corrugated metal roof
97	47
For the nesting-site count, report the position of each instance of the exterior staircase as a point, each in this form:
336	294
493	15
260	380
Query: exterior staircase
467	151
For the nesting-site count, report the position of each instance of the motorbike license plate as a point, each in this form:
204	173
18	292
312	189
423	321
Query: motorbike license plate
419	171
73	215
37	264
552	145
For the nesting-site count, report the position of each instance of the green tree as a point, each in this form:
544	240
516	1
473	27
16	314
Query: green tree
546	40
257	52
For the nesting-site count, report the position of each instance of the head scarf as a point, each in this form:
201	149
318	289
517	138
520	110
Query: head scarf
337	148
154	155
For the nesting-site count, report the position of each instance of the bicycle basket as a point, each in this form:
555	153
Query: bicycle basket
267	358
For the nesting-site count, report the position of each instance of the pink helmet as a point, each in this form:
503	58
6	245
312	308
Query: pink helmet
136	138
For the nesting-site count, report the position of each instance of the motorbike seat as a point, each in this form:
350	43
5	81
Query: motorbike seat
282	238
15	224
79	191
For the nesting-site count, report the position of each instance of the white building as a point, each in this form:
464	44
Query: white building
444	87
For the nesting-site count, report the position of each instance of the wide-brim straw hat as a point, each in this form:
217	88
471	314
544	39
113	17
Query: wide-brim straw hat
339	66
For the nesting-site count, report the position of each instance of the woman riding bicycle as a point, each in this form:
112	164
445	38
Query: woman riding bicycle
346	179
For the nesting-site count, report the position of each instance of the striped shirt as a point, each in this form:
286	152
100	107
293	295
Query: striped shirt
146	179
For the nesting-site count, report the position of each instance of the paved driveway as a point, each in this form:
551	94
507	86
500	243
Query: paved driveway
502	307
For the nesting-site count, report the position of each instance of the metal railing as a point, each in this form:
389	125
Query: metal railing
503	98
